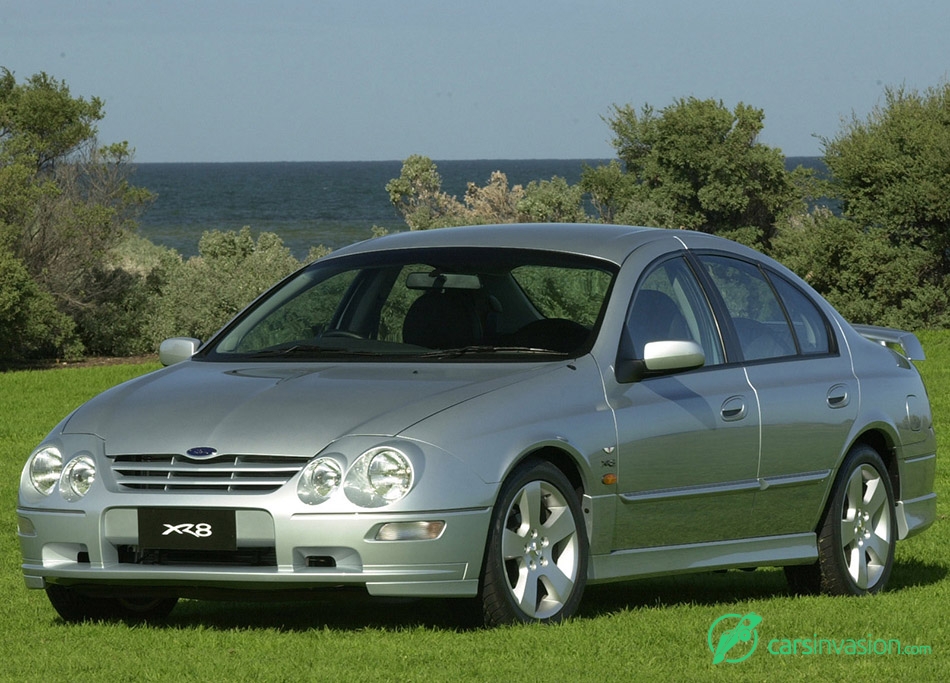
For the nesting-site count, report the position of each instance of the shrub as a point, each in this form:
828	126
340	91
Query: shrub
30	325
231	270
863	273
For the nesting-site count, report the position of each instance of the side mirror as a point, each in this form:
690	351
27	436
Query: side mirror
673	355
177	349
661	357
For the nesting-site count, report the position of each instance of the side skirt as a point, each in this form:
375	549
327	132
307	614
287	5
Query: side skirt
700	557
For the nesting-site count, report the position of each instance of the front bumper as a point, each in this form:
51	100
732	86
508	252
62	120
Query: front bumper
296	551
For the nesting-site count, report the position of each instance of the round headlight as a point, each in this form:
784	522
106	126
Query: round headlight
379	477
319	479
78	477
45	467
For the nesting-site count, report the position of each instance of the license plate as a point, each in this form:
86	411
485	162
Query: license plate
187	529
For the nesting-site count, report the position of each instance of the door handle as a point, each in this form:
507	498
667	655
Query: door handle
838	396
733	408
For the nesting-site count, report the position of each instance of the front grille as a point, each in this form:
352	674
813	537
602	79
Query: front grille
240	473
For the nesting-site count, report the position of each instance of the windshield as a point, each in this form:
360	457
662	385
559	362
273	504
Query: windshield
498	304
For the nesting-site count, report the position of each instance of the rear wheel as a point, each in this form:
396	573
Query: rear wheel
536	559
857	536
73	606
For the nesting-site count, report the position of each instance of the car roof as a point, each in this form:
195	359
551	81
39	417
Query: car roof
605	241
608	242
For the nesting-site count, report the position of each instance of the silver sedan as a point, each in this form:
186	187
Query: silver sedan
504	413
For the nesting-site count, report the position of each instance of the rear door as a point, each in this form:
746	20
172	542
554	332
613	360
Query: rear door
806	389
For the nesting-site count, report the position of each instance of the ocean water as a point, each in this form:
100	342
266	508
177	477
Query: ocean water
310	203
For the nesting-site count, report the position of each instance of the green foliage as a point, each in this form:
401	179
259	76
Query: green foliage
30	324
695	165
863	274
552	201
887	261
609	189
417	194
892	170
40	120
231	270
65	203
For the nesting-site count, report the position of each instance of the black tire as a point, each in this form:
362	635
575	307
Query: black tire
75	606
536	558
857	534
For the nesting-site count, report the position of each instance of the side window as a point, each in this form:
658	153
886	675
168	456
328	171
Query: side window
670	305
756	312
808	322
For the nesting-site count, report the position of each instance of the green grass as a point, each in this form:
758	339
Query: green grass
650	629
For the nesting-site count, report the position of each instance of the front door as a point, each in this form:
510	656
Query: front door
688	443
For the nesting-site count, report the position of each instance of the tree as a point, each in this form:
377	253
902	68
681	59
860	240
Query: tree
493	203
30	324
552	201
609	189
40	120
87	209
417	194
863	273
695	165
891	171
65	202
204	292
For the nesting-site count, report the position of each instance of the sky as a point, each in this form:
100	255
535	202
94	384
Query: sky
366	80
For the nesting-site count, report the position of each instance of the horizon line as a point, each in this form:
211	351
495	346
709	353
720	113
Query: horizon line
136	162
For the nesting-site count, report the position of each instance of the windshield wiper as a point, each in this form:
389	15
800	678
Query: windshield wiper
477	349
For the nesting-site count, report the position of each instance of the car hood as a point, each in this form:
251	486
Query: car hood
280	409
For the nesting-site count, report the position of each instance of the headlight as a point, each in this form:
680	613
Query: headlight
78	476
379	477
45	467
319	479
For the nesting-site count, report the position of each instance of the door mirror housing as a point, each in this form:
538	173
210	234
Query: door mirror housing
177	349
660	358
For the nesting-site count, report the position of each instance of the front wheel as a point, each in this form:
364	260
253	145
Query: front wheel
858	532
536	559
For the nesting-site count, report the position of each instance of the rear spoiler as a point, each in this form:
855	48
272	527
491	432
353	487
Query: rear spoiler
907	342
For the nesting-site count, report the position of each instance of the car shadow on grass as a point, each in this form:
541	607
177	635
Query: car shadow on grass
335	611
914	573
353	610
706	588
728	587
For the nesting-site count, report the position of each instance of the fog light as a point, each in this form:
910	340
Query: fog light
24	526
410	531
